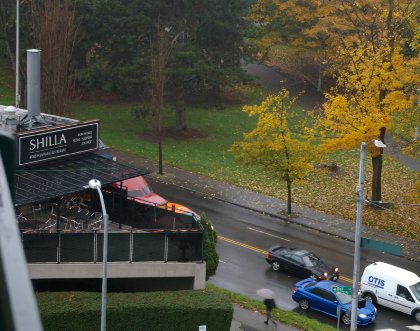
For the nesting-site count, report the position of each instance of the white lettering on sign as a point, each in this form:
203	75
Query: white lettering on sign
48	141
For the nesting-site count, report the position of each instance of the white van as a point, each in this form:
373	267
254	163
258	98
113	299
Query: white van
392	287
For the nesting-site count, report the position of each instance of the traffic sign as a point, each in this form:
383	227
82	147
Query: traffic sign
342	289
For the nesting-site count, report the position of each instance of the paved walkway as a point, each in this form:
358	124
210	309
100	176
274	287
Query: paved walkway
247	320
258	202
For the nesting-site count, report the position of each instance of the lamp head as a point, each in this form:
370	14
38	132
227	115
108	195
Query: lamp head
94	184
378	143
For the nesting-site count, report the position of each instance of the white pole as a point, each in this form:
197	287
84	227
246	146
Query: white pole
96	184
358	231
17	100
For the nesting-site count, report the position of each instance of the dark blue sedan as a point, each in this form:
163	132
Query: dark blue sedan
323	296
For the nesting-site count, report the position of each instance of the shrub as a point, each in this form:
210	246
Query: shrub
177	310
210	238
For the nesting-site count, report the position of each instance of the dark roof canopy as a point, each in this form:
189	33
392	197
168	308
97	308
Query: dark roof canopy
56	178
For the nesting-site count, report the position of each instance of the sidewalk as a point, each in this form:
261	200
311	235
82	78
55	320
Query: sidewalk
254	201
248	320
243	319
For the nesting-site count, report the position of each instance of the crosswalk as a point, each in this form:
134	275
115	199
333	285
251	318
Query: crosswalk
409	327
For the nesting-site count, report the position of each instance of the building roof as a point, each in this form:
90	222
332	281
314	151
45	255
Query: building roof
56	178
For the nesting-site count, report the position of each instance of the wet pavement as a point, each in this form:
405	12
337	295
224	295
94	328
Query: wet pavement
243	319
271	78
268	205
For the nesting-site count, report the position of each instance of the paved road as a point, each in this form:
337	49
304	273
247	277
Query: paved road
245	235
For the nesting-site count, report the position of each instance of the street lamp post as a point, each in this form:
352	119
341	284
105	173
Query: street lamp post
358	231
96	184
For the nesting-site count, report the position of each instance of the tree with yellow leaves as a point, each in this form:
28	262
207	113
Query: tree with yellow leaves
286	154
373	78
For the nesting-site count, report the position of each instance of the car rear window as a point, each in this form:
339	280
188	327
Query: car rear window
309	284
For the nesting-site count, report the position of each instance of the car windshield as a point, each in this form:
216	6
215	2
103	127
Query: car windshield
344	298
416	290
310	260
135	193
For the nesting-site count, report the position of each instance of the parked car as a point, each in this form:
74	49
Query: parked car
323	297
300	262
138	188
392	287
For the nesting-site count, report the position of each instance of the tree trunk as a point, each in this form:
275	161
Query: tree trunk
318	88
377	171
160	157
180	110
289	194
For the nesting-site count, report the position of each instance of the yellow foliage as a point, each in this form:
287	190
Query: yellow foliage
272	143
369	90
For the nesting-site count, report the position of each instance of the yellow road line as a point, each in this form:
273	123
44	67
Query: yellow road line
255	249
258	250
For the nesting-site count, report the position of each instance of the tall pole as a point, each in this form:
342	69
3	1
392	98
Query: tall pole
96	184
357	237
17	100
358	231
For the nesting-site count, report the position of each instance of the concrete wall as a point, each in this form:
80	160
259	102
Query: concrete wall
121	270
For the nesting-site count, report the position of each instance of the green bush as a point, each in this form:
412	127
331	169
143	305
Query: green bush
210	238
177	310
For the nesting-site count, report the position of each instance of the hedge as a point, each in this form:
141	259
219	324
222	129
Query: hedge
176	310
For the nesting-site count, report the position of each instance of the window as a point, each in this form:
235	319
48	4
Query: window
310	284
310	260
324	294
403	293
296	259
416	290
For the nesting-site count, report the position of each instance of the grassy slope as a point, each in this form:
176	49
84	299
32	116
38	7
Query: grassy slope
333	194
330	193
7	84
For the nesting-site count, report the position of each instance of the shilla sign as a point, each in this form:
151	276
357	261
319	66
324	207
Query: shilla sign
57	142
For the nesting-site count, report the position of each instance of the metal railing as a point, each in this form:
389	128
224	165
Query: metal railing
124	246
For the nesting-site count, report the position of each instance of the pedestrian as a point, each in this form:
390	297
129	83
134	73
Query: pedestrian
269	305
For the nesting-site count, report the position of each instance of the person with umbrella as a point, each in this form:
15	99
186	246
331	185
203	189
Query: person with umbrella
269	302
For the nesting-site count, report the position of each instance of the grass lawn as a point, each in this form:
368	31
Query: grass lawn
332	193
7	85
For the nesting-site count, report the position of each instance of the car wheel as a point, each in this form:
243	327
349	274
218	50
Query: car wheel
416	316
304	304
313	276
276	266
346	319
370	297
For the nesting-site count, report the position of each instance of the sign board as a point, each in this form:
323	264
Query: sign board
202	328
342	289
52	143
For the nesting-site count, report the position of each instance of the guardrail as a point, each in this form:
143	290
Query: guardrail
123	246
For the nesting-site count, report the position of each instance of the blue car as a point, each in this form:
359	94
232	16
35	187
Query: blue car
323	296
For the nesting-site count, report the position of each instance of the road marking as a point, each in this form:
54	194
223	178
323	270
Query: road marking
414	327
268	234
346	279
258	250
255	249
